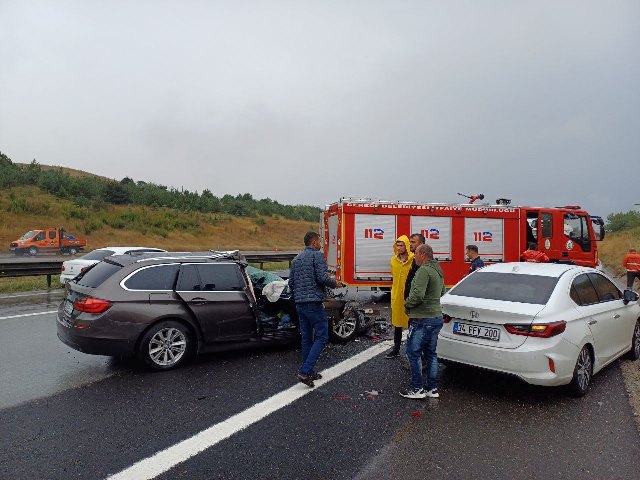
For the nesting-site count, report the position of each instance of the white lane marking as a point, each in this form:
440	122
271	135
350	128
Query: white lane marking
164	460
28	314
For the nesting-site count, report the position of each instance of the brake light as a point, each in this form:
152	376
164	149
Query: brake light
63	267
446	318
92	305
544	330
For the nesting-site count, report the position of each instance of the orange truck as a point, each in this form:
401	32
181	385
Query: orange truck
50	240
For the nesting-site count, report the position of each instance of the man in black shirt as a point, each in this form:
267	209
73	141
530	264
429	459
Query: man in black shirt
414	240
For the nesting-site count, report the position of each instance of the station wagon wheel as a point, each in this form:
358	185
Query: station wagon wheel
582	373
33	251
73	250
634	353
343	329
165	345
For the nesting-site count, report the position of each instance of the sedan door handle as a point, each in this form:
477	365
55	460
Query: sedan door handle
615	315
593	322
199	301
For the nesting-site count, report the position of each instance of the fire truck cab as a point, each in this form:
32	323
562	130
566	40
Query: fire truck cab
359	235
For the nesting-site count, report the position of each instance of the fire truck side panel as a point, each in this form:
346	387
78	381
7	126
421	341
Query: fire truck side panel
437	232
332	252
374	238
488	235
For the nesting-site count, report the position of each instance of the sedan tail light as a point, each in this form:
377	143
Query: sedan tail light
446	318
544	330
92	305
63	267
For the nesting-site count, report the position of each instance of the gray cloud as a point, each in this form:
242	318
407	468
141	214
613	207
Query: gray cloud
305	102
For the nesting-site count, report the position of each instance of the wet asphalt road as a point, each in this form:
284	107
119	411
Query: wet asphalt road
67	415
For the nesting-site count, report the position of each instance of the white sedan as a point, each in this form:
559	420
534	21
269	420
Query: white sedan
71	268
548	324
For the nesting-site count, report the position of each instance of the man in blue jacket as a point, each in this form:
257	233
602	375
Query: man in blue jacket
308	278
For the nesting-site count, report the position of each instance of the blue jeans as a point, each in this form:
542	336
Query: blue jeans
314	331
422	340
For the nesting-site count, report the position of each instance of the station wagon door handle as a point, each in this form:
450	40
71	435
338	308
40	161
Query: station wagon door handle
593	322
199	301
615	315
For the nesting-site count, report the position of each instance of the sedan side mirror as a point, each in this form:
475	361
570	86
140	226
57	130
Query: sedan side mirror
629	296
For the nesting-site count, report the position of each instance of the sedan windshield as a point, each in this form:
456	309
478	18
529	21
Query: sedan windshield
97	255
509	287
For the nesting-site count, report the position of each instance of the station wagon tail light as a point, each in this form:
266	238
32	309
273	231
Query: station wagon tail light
446	318
544	330
92	305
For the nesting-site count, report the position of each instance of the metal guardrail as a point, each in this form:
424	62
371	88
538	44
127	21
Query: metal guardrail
33	267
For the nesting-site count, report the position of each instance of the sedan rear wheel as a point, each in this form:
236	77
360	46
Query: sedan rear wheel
582	373
634	353
165	345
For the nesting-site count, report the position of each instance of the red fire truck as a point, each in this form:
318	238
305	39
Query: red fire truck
359	235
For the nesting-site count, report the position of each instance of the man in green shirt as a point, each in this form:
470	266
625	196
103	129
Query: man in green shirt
425	321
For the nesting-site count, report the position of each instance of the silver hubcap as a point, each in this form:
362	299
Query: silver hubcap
636	339
167	346
344	327
584	369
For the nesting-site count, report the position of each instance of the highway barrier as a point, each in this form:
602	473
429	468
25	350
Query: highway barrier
31	266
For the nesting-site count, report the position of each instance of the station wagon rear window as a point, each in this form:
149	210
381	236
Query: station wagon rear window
97	274
508	287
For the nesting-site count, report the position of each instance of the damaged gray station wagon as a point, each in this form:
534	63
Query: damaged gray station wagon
166	307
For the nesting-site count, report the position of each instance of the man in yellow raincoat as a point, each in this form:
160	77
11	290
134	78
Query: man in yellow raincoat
400	266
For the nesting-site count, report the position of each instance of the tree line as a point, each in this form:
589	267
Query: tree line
617	222
91	190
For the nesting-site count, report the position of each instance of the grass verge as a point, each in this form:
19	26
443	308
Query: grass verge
27	284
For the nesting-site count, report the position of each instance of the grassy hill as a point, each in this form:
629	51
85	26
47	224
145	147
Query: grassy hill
616	245
25	208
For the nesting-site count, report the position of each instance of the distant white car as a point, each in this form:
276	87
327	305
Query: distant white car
548	324
71	268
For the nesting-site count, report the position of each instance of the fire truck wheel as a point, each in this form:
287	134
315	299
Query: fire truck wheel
33	251
343	329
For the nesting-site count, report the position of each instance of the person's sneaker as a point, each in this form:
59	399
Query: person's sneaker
306	379
433	393
413	393
315	376
392	354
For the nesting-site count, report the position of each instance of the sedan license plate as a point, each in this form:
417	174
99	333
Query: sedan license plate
68	307
478	331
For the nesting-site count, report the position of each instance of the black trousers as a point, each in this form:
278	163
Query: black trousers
631	276
397	338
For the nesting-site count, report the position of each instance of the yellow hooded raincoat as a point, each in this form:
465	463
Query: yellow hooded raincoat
399	270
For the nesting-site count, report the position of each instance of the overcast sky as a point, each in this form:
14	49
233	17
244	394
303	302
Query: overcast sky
308	101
